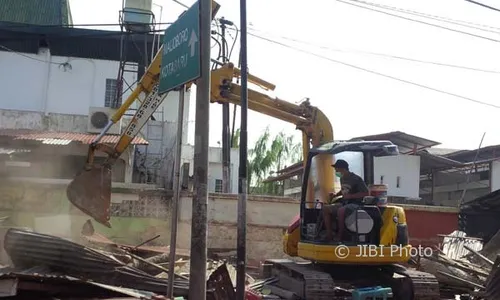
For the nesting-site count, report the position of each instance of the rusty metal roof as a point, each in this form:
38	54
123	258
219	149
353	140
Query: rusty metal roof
29	249
63	138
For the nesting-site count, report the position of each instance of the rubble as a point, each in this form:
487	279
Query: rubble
55	267
49	267
464	267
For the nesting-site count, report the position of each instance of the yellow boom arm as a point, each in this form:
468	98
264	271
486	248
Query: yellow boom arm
90	191
315	126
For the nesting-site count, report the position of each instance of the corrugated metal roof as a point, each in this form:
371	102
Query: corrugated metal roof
76	42
441	151
29	249
430	162
405	142
39	12
63	138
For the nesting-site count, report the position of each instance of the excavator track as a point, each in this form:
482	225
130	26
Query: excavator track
303	279
424	286
310	282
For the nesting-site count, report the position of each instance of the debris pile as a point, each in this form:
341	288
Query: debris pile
464	267
45	266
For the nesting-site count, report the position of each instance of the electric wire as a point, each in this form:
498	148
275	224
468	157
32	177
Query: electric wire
234	41
181	4
376	53
421	22
27	56
376	72
433	17
483	5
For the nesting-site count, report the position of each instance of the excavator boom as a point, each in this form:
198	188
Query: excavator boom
90	190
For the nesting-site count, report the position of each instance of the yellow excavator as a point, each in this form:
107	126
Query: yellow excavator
373	239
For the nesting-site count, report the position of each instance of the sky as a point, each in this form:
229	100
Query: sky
360	102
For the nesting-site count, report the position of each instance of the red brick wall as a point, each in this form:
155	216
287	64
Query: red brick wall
425	225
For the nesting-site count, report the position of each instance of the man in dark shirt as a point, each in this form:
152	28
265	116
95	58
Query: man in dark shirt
353	190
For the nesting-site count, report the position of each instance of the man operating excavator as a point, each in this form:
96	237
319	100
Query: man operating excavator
353	190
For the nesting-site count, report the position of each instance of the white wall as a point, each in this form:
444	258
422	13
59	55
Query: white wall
41	83
495	176
406	167
214	166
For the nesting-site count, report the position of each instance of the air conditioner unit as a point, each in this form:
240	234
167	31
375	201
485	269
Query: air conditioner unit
99	117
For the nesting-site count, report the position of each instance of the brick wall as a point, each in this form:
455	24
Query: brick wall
426	222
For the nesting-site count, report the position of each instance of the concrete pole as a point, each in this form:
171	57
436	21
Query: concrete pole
176	199
198	266
242	183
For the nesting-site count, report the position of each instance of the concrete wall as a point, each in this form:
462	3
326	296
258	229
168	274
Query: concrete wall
54	88
214	166
267	218
401	173
495	175
139	214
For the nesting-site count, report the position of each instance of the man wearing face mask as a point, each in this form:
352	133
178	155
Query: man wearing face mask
353	190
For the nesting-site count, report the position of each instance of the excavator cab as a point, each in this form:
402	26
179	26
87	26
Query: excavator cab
373	233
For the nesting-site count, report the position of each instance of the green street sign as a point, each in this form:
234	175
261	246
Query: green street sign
180	62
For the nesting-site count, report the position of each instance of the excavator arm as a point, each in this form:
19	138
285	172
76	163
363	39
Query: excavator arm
315	126
90	191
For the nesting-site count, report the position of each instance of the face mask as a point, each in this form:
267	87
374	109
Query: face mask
338	174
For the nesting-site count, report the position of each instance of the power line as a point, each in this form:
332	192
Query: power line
380	54
181	4
483	5
377	73
27	56
421	22
433	17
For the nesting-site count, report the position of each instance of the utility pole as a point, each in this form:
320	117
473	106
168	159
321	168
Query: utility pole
226	138
242	182
177	189
198	268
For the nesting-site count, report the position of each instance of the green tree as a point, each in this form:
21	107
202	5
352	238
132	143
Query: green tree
269	155
235	139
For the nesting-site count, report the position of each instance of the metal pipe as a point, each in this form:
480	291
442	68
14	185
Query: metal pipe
177	195
198	266
242	183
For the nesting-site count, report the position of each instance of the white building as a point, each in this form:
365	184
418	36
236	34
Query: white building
215	167
53	91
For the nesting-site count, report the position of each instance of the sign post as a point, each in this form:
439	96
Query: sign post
181	59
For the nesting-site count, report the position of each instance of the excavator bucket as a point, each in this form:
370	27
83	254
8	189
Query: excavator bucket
90	191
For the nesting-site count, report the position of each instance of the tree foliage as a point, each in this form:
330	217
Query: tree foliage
268	155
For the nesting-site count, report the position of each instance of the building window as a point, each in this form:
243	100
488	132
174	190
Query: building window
218	185
110	94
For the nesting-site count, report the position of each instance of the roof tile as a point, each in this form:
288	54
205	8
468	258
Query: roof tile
64	138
